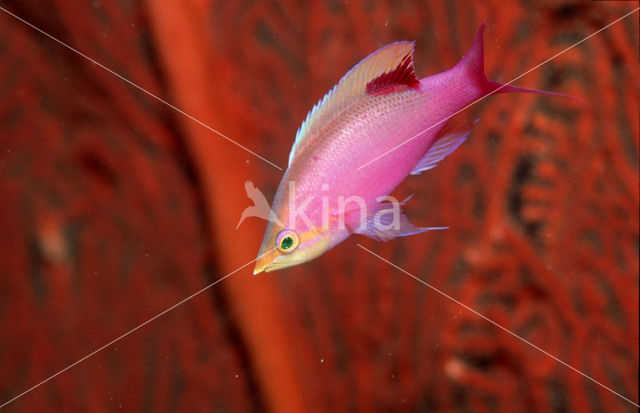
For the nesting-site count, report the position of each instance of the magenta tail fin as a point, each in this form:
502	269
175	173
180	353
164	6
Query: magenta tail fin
473	64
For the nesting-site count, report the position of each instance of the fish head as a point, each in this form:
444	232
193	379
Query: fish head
285	247
291	240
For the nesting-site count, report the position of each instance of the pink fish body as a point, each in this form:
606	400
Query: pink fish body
377	126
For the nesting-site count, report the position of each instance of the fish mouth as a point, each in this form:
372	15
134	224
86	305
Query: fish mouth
268	267
259	268
265	262
268	263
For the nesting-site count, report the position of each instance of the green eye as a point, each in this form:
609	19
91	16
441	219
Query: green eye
287	240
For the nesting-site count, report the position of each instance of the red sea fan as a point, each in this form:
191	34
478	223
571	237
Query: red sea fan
114	207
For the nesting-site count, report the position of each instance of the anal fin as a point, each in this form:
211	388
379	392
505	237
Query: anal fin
452	136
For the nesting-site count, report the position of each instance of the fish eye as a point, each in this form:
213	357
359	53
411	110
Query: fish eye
287	240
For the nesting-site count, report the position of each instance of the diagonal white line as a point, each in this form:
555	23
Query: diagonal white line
131	331
524	340
139	87
496	90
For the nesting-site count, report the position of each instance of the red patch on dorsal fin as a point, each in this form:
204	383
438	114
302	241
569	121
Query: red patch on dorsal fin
402	76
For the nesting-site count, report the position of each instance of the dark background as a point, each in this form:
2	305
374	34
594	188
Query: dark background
113	207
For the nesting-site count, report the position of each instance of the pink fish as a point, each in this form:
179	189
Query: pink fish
378	125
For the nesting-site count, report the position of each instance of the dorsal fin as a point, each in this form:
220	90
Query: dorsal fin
378	73
403	74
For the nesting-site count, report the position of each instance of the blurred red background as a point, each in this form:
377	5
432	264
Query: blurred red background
113	207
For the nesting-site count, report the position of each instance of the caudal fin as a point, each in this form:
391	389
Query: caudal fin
473	64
